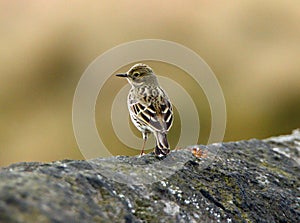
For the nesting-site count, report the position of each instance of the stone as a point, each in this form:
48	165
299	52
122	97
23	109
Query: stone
244	181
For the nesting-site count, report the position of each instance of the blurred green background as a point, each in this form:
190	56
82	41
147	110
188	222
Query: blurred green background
252	46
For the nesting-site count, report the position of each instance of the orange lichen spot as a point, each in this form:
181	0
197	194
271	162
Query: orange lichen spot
199	153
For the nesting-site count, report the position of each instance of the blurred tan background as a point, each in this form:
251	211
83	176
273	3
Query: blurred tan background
252	46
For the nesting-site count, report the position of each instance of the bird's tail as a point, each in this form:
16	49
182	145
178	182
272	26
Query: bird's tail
162	146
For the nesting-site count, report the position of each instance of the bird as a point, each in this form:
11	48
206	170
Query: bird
149	107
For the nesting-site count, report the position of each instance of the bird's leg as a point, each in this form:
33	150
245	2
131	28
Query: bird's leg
145	137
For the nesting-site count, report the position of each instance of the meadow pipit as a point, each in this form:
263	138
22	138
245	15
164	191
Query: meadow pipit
149	107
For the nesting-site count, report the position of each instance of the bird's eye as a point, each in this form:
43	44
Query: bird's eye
136	74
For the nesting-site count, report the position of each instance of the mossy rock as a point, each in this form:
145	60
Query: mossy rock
245	181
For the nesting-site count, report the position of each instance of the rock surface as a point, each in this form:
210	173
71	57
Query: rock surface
245	181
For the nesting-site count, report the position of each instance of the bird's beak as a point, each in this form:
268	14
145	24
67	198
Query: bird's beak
121	75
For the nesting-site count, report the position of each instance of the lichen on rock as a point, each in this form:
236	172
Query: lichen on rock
244	181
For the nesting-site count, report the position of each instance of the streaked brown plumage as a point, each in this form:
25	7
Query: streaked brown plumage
149	106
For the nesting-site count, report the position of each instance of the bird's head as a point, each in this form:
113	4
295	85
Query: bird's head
139	74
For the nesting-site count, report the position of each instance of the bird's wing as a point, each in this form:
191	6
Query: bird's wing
156	113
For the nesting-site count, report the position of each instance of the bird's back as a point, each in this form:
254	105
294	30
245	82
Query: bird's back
151	105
